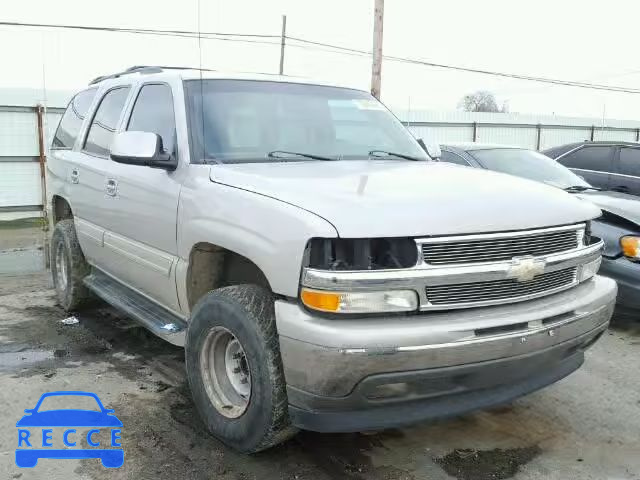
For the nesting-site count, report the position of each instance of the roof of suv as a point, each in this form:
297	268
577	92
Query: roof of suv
192	73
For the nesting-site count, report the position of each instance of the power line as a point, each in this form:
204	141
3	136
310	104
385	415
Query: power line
136	30
569	83
315	45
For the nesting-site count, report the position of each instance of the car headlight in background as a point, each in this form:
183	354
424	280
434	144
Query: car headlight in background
631	247
588	270
360	302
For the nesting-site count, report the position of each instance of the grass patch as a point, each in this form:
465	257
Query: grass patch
32	222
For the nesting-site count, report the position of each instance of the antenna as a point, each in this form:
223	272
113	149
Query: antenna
201	86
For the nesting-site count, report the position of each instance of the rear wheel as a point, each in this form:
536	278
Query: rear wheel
68	267
234	368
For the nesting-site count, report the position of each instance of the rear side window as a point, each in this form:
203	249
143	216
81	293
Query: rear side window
71	122
451	157
589	158
105	121
153	112
630	161
555	152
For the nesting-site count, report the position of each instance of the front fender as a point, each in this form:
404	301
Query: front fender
271	233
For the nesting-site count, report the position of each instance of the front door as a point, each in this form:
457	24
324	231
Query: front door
592	162
142	202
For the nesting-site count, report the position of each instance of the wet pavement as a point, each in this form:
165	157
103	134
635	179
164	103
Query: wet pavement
584	427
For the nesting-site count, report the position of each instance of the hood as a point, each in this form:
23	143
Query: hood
620	204
391	198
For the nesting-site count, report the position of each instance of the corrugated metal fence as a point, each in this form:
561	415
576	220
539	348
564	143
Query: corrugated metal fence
536	132
21	182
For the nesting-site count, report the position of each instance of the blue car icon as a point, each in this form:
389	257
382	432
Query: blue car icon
35	420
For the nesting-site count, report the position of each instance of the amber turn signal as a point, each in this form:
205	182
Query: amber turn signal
631	247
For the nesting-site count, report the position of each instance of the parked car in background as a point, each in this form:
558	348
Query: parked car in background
619	225
611	166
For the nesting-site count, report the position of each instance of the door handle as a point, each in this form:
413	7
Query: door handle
75	176
621	189
111	187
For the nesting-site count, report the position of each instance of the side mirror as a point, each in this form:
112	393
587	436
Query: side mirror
29	410
141	148
432	149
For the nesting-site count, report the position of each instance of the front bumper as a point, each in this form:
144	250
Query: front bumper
627	276
358	374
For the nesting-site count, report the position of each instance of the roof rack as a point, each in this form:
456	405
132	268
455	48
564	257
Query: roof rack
144	69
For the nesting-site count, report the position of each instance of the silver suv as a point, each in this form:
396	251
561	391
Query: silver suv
320	269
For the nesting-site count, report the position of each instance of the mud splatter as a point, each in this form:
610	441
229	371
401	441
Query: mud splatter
493	464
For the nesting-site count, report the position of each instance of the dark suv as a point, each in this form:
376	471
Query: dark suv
608	165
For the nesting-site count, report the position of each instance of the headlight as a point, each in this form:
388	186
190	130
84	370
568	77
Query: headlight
360	302
631	247
361	253
588	270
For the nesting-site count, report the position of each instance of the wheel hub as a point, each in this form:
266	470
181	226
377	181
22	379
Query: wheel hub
225	372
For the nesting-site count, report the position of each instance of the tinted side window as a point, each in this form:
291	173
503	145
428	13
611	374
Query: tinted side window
450	157
589	158
105	121
71	122
630	161
555	152
153	112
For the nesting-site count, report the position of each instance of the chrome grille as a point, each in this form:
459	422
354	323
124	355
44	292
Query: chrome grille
495	248
499	291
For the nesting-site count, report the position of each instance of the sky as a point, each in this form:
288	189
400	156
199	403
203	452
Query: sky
584	41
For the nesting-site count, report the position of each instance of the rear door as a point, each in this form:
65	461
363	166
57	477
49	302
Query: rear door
626	177
592	162
91	164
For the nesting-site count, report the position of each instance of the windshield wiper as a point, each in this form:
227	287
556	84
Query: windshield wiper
581	188
286	154
384	153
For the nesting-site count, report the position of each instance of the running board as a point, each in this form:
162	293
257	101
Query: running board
152	316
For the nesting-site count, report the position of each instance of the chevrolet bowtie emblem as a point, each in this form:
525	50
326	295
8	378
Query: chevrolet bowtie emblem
524	269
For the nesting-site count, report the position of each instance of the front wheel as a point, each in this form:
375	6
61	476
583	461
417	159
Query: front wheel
235	370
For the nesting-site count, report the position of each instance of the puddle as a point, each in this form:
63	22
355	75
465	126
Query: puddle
11	360
21	261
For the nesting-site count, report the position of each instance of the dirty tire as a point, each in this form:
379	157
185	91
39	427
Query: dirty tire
246	311
74	294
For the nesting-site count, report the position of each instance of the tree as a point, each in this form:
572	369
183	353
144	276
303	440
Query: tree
482	101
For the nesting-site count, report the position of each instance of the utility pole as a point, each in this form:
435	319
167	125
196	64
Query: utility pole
283	36
376	67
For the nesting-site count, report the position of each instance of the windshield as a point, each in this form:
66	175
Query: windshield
64	402
236	121
528	164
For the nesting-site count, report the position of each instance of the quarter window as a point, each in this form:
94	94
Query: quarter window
630	161
589	158
153	112
105	122
71	122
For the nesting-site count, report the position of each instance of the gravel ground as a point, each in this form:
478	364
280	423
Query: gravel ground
585	427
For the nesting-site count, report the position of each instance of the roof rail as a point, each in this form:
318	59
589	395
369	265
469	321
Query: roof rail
144	69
